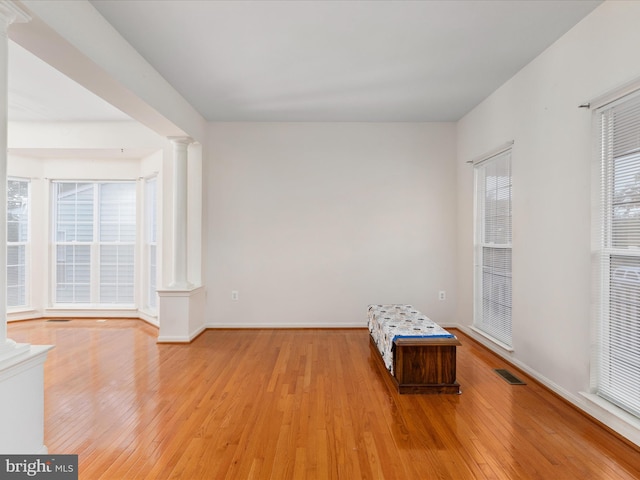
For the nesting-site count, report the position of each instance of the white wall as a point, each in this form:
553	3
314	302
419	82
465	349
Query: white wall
311	222
552	154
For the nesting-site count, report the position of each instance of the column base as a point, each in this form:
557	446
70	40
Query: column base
180	286
22	402
10	349
181	314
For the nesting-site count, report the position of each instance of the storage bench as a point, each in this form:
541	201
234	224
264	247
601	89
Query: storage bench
418	355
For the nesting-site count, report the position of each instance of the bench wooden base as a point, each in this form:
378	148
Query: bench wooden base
422	365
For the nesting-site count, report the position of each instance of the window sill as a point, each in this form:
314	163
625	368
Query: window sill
92	310
610	408
20	310
498	343
90	306
26	313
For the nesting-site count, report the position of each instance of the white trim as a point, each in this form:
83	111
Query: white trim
92	180
612	409
173	339
284	325
362	324
181	338
180	292
151	319
23	314
10	351
495	341
14	13
33	355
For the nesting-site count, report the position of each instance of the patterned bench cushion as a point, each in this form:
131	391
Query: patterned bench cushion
389	322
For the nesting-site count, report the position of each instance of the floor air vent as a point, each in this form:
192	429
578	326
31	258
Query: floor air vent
509	377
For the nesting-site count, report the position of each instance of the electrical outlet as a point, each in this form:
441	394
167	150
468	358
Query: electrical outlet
442	295
234	295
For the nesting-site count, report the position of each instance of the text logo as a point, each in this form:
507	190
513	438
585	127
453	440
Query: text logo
39	467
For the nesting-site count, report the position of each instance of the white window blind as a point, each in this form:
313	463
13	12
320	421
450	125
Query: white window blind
17	241
117	227
73	236
95	239
492	296
151	240
618	362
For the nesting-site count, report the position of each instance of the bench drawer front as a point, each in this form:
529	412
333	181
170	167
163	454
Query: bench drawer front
425	364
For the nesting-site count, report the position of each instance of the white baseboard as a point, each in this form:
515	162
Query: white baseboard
19	315
181	338
150	319
284	325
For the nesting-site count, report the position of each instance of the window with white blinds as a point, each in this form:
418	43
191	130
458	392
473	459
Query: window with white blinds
618	323
492	296
73	237
151	215
95	241
117	226
17	242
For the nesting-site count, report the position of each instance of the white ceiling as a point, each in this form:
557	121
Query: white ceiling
313	60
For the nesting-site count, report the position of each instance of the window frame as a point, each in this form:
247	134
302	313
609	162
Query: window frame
26	244
94	283
501	294
608	382
150	247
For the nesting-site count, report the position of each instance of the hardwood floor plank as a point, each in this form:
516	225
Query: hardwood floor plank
297	404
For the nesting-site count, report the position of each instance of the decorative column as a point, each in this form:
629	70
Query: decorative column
21	365
180	211
9	14
181	305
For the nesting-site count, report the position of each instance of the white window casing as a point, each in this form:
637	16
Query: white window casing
492	256
18	242
617	269
94	236
151	243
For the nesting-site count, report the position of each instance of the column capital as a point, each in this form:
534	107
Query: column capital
181	140
12	13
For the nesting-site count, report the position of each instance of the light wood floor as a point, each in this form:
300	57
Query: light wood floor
296	404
